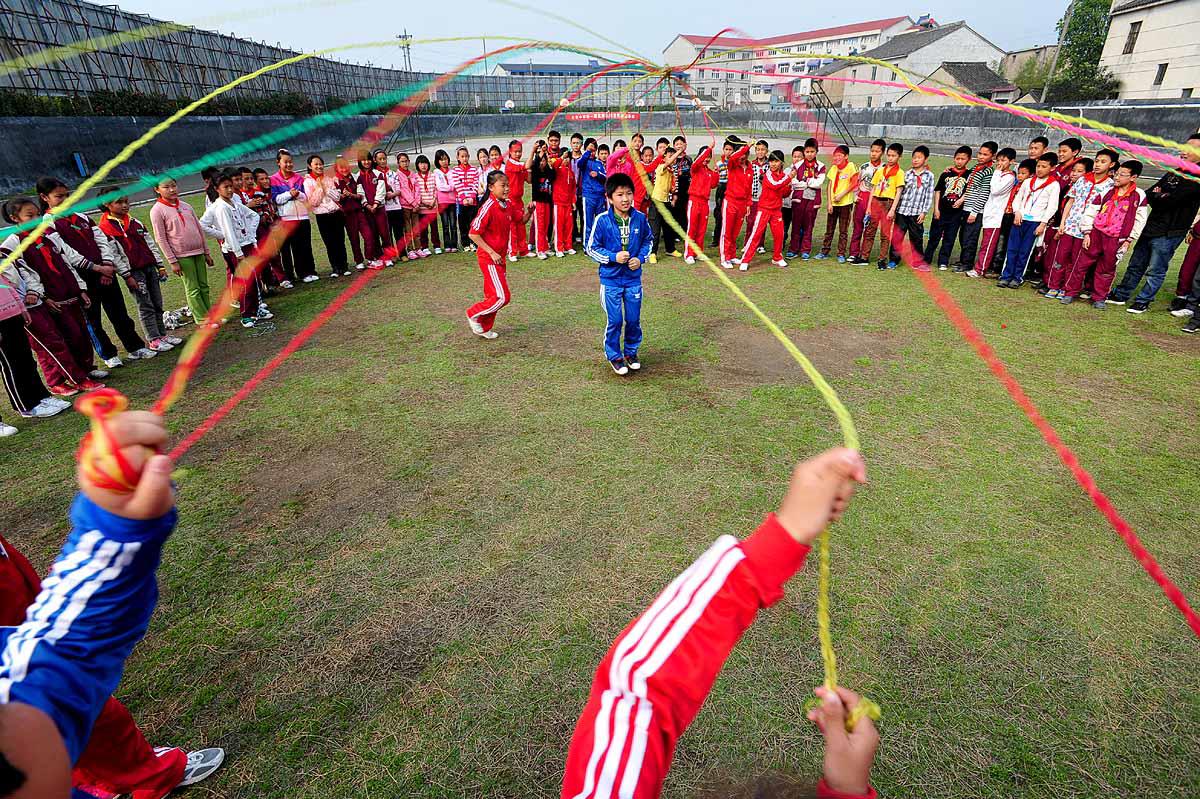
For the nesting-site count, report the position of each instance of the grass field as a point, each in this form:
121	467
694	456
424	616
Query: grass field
400	560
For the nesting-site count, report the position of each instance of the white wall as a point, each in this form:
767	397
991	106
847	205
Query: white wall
1170	35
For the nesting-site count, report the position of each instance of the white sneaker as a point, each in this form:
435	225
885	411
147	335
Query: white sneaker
310	278
56	402
491	334
285	284
512	259
743	267
133	356
761	250
201	765
264	313
689	260
386	262
570	252
44	410
144	353
541	256
437	250
247	321
160	345
560	255
97	374
115	361
7	430
633	363
727	264
413	255
619	367
1182	313
333	275
476	328
173	340
360	267
780	262
531	255
347	273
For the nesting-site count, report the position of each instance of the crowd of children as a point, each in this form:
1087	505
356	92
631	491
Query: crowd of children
1057	219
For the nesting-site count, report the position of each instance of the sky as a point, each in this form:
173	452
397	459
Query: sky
314	24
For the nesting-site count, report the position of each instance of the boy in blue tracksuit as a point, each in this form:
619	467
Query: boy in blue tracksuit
620	241
592	179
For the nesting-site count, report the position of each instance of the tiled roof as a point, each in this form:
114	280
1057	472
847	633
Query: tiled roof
819	33
976	76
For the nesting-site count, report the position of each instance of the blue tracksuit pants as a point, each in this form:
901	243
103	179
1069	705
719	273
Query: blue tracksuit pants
623	307
1020	245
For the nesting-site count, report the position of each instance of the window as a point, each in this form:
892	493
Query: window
700	74
1131	38
785	67
868	101
874	70
1187	93
893	78
1162	73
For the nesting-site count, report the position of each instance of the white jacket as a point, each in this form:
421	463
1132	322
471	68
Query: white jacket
322	195
1039	206
381	189
997	201
223	221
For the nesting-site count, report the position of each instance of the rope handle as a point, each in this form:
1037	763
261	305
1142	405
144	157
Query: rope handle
99	458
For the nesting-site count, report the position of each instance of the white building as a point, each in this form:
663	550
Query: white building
768	59
1153	47
918	53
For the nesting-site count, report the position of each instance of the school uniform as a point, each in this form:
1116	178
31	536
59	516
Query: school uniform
757	170
862	209
465	180
222	221
351	207
18	368
81	234
1070	237
396	187
541	191
840	210
592	187
1036	203
60	338
975	195
806	202
703	179
1173	204
943	231
371	187
769	215
999	199
915	201
447	199
1111	222
1042	263
136	255
517	173
738	190
177	231
296	250
719	200
323	197
885	182
494	224
425	188
1184	291
565	194
620	286
681	178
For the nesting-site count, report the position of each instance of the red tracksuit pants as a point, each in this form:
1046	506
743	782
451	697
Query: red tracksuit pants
733	214
1103	256
697	211
118	759
772	218
1187	270
989	239
495	292
539	230
860	225
518	244
1066	251
61	343
564	226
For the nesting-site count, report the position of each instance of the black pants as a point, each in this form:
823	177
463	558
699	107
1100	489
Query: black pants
332	227
943	231
112	301
449	217
716	239
968	236
671	239
466	215
579	218
654	219
297	251
18	368
399	227
907	226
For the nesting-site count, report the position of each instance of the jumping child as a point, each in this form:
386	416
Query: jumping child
491	231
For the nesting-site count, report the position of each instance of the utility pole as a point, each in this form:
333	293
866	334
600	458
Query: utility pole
1062	37
406	45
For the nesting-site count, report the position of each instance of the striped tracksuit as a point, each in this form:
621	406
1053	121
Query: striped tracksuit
494	223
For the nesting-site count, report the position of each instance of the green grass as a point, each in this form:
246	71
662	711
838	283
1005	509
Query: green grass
400	560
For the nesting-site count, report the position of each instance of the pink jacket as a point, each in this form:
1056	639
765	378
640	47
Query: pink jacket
177	230
425	187
445	187
405	187
612	167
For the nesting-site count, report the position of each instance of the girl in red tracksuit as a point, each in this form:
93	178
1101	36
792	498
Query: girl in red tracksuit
656	676
776	182
56	298
739	176
566	189
704	180
491	232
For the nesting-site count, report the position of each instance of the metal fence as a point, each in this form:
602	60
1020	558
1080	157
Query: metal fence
187	62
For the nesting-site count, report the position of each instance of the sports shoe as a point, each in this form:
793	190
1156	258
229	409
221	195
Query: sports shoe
780	262
160	345
7	430
44	410
675	254
789	254
560	255
347	273
529	254
310	278
571	252
841	259
360	266
476	328
63	390
743	266
425	253
619	366
437	250
512	259
881	264
201	765
1066	299
653	259
247	321
98	374
90	385
144	353
541	256
172	340
285	284
1193	326
1100	306
1182	313
726	265
264	313
1139	307
1052	294
761	250
55	402
973	273
689	260
943	267
375	265
133	356
1177	303
923	268
854	259
114	362
413	255
490	334
821	256
892	265
805	256
633	363
1087	295
960	268
334	275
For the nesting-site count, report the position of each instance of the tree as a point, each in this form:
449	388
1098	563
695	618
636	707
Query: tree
1032	76
1078	75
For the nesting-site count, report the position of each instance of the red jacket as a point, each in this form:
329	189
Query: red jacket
566	182
775	186
494	223
659	671
704	178
517	174
740	175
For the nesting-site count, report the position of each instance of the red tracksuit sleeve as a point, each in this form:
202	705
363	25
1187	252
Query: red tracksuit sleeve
657	674
739	155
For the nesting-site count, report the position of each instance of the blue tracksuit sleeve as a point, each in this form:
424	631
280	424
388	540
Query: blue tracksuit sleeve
604	242
647	242
68	655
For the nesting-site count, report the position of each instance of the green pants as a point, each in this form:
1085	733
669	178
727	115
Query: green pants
195	285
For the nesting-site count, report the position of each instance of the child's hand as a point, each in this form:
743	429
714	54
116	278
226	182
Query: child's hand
176	268
1087	241
132	283
207	259
634	263
1041	229
971	218
87	301
848	755
820	490
138	435
623	257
